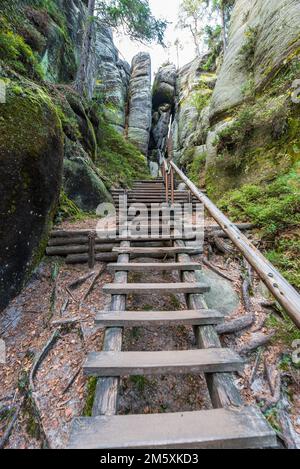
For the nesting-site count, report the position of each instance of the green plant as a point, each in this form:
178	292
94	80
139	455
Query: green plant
196	167
140	382
247	51
15	53
89	402
118	159
68	210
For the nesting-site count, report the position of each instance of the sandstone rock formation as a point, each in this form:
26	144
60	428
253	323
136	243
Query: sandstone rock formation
190	126
140	102
109	77
253	121
163	100
31	156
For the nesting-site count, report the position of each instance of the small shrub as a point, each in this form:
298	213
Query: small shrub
248	48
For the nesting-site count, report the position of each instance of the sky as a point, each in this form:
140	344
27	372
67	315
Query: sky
167	9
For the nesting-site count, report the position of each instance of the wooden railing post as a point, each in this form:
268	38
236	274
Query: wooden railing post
172	186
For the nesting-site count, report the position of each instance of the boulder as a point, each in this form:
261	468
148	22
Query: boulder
31	156
140	102
81	181
164	86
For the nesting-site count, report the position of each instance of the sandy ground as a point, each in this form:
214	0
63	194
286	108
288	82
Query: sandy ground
61	389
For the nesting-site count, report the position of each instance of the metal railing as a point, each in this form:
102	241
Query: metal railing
284	293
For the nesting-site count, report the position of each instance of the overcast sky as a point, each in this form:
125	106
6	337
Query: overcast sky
164	9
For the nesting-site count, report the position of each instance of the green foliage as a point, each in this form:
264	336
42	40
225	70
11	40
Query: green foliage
140	382
135	17
68	210
89	402
118	159
248	48
201	98
213	40
196	167
285	332
275	209
15	53
271	206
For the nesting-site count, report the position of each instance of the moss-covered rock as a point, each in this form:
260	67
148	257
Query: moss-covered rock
31	156
81	182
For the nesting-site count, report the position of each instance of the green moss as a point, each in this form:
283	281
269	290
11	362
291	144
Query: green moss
118	159
91	390
68	210
196	168
248	48
285	330
140	382
275	209
15	53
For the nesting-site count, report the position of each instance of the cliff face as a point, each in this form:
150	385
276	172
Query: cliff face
253	120
54	145
242	139
140	102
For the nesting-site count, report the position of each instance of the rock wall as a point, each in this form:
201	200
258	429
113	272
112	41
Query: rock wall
253	120
109	77
31	157
163	103
194	88
140	102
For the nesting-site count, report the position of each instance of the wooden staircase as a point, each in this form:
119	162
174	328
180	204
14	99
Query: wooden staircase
230	424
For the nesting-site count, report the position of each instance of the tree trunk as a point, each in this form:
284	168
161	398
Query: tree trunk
81	80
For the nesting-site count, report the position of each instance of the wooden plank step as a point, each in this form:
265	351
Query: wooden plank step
158	318
176	250
161	363
154	266
158	288
243	427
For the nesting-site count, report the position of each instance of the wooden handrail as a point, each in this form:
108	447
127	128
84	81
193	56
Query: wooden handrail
284	293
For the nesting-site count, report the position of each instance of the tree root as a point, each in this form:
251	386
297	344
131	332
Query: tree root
11	425
236	325
258	340
216	270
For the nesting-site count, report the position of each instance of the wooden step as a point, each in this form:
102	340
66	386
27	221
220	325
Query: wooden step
158	318
240	428
161	363
158	288
176	250
153	266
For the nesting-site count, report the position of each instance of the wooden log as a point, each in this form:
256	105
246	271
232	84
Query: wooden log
286	295
162	363
92	250
158	288
105	402
158	318
243	428
222	390
236	325
154	266
109	257
80	249
257	340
